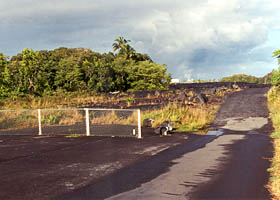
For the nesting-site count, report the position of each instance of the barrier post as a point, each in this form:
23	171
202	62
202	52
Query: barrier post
139	124
39	120
87	122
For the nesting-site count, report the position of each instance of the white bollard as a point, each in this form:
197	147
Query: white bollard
39	120
87	122
139	124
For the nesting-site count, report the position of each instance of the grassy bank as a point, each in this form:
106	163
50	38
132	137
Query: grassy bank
194	118
274	107
184	118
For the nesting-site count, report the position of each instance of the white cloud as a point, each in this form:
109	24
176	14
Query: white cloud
196	38
216	33
243	68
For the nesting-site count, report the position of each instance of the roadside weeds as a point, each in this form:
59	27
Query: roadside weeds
274	107
184	118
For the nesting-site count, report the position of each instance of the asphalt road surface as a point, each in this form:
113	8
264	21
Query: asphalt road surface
229	163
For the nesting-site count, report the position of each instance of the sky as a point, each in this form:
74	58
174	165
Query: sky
196	39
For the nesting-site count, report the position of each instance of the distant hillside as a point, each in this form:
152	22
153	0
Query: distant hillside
247	78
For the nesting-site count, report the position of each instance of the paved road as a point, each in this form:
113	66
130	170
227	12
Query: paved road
44	168
243	170
231	163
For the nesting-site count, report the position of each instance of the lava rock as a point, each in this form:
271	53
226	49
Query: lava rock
210	91
182	96
201	98
148	122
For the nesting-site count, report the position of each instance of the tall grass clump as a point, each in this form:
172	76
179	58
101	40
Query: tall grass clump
18	119
114	117
274	107
63	117
184	118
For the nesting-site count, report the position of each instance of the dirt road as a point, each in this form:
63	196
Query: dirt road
229	163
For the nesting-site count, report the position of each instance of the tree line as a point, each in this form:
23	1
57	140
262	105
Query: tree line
271	78
67	70
275	77
247	78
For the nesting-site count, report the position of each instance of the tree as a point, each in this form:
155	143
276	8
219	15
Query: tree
98	75
120	44
146	75
3	65
3	61
123	47
25	75
121	67
275	76
240	78
41	73
4	90
276	54
69	76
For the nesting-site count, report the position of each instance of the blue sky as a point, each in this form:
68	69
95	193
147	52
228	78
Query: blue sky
197	39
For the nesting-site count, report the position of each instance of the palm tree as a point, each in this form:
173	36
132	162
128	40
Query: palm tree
124	48
120	43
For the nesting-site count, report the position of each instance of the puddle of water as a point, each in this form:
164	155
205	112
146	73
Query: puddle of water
216	132
253	132
39	137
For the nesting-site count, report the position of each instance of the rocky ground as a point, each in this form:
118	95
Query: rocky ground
183	94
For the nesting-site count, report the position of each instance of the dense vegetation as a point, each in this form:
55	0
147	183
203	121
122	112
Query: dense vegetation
247	78
274	106
275	77
67	70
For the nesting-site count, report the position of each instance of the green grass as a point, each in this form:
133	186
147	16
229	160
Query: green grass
275	135
274	107
18	119
75	135
51	118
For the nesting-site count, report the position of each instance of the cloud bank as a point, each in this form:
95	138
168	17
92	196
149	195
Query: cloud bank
197	39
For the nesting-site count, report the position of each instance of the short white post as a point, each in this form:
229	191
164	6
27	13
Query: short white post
39	120
87	122
139	124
